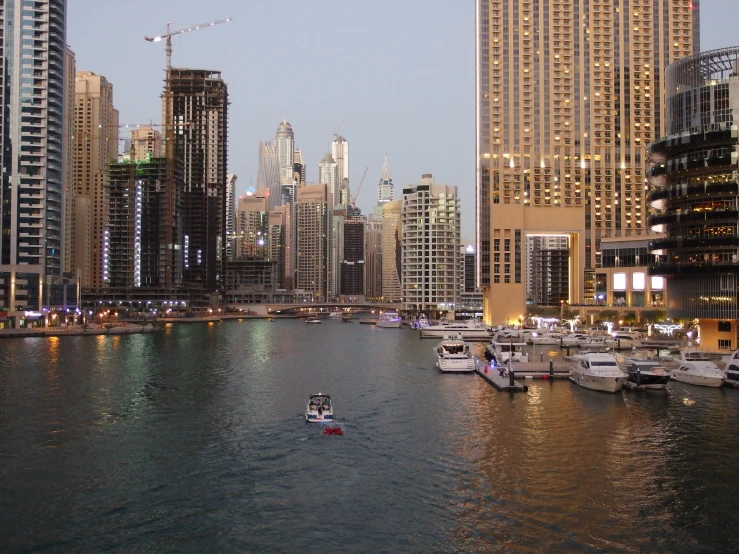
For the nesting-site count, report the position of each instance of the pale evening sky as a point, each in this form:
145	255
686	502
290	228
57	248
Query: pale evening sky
396	75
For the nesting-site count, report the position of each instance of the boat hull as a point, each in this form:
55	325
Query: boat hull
325	418
699	380
467	334
389	324
647	381
465	365
598	383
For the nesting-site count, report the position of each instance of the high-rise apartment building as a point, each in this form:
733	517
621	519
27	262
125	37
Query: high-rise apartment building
268	173
391	251
32	91
95	145
252	225
547	266
328	175
70	196
146	143
373	255
285	144
385	186
313	216
353	266
340	154
299	168
336	252
277	248
230	213
199	112
569	94
430	246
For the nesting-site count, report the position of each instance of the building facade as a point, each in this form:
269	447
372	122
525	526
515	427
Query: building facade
313	216
199	108
568	97
353	263
268	173
340	154
32	146
230	214
146	144
694	190
373	255
252	225
430	246
547	266
328	175
95	145
392	213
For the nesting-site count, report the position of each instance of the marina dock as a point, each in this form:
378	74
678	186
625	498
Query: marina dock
507	383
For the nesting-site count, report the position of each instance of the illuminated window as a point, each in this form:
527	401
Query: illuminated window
619	281
638	281
658	283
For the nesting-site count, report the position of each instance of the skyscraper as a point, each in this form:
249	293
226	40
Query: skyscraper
353	266
32	91
252	223
230	213
313	215
568	96
285	143
340	154
385	186
328	175
373	255
391	251
199	117
430	246
95	145
268	174
70	196
146	143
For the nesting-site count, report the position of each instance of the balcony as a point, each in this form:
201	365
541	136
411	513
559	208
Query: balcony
692	190
678	243
693	269
658	220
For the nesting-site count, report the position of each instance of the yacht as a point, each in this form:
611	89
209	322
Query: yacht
732	366
574	339
336	315
390	320
696	368
597	371
505	347
312	319
471	329
624	341
646	374
420	323
595	343
454	356
319	409
546	338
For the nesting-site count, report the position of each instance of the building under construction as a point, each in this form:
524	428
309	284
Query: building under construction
195	103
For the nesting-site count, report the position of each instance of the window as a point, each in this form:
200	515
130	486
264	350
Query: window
638	281
724	326
724	344
619	281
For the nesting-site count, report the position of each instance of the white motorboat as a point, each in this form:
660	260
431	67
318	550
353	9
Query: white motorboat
595	343
421	322
732	366
468	330
546	338
624	341
597	371
646	374
312	319
335	315
454	356
574	339
505	347
390	320
319	409
697	368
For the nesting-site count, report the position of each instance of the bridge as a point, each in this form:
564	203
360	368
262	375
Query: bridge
297	307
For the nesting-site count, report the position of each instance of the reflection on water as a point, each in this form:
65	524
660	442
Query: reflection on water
193	439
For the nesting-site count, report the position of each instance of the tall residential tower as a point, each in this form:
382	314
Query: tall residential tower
569	94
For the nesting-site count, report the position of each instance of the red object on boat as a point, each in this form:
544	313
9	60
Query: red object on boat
333	431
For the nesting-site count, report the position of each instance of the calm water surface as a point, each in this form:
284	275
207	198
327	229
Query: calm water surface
194	440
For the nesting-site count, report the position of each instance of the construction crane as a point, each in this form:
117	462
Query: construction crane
168	36
361	182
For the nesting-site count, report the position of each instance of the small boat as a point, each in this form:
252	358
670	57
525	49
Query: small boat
697	368
646	374
346	318
454	356
732	366
335	315
312	319
319	409
420	323
597	371
390	320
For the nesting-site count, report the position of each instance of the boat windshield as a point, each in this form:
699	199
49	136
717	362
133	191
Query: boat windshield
603	364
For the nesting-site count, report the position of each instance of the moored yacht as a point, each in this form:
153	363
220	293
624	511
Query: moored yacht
453	355
546	338
471	329
624	341
335	315
390	320
506	347
646	374
697	368
574	339
421	322
312	319
732	366
597	371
